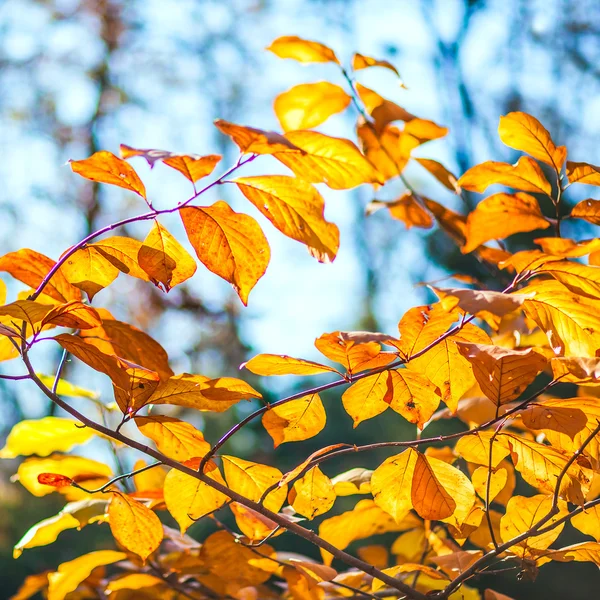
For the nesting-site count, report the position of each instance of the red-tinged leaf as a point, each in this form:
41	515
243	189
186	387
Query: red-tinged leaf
231	245
256	141
74	314
54	480
105	167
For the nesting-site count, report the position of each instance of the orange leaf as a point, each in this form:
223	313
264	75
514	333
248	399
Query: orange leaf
74	314
405	209
307	105
89	270
54	479
523	132
305	51
295	208
105	167
580	172
256	141
525	175
192	166
275	364
445	177
134	526
588	210
164	259
388	150
360	61
122	253
231	245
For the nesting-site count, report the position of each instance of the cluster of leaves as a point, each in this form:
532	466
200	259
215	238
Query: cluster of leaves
479	352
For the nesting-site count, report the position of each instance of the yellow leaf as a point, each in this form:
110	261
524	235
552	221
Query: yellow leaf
360	61
134	526
541	465
337	162
405	209
252	524
588	522
382	110
457	562
582	552
133	581
296	420
502	215
497	481
523	132
202	393
477	301
173	437
475	448
413	396
304	51
588	210
122	253
32	584
256	141
152	480
375	555
451	222
580	172
354	481
231	245
31	267
295	208
307	105
44	436
275	364
105	167
75	467
502	374
70	574
251	479
568	248
522	514
364	520
189	499
525	175
389	151
313	494
406	568
164	259
572	323
368	397
445	177
89	270
65	388
391	484
580	279
26	310
45	532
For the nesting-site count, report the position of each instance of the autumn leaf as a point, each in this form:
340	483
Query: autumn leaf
388	151
523	132
105	167
525	175
31	268
502	374
44	436
588	522
70	574
445	177
54	480
500	216
174	438
305	51
89	270
337	162
122	253
406	209
477	301
581	172
384	112
275	364
295	208
231	245
475	448
164	259
26	310
497	481
134	526
562	415
256	141
296	420
453	223
588	210
361	61
354	481
583	280
313	494
308	105
74	314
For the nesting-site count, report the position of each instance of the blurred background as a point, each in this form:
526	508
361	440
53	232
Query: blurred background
77	76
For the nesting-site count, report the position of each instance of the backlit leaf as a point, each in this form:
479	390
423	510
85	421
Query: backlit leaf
360	61
122	253
173	437
74	314
368	397
588	522
164	259
523	132
475	448
413	396
581	172
296	420
305	51
70	574
231	245
105	167
295	208
502	215
588	210
26	310
445	177
405	209
476	301
89	270
192	166
275	364
44	436
389	151
581	279
525	175
307	105
45	532
313	494
256	141
498	480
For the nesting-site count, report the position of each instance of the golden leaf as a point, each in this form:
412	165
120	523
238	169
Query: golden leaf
475	448
134	581
122	253
588	210
502	215
45	436
26	310
74	314
105	167
307	105
405	209
580	279
368	397
313	494
31	267
498	480
192	166
389	151
588	522
45	532
231	245
134	526
525	175
523	132
256	141
296	420
275	364
580	172
173	437
295	208
305	51
189	499
164	259
360	61
337	162
445	177
70	574
252	524
251	479
476	301
413	396
89	270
